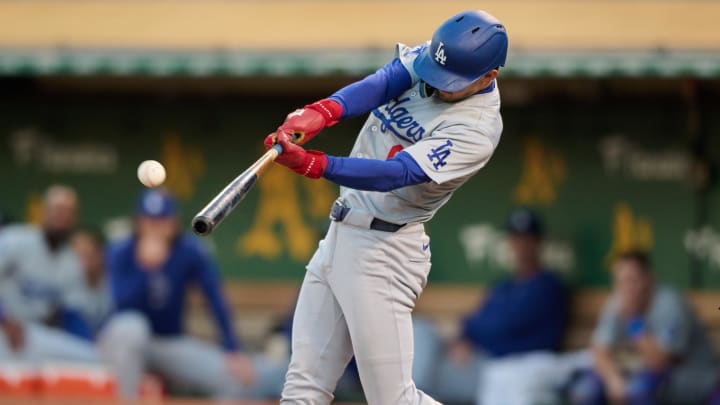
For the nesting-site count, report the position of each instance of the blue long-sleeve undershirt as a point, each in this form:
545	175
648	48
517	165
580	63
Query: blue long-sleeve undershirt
373	174
374	90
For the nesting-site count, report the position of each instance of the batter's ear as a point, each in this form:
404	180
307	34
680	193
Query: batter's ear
492	74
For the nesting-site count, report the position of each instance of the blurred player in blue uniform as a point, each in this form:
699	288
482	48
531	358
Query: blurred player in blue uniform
522	315
150	274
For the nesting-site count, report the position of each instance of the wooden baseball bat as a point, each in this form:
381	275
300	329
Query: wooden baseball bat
222	205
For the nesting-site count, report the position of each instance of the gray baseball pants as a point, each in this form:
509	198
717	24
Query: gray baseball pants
357	298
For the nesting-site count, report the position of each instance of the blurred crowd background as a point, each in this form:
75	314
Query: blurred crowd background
586	253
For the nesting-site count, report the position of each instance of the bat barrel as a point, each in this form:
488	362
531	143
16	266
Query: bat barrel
209	217
202	225
220	207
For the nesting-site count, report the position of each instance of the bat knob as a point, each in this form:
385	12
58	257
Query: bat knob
202	225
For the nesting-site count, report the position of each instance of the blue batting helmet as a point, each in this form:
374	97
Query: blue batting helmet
463	50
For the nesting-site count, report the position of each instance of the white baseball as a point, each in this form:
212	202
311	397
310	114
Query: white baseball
151	173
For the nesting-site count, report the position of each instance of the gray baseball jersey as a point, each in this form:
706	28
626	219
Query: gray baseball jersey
33	280
450	142
671	322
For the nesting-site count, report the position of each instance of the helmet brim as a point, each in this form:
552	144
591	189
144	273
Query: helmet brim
435	75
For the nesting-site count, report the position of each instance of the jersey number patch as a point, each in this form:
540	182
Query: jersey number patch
439	154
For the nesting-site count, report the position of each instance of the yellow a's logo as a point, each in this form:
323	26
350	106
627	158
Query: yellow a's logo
279	225
629	232
542	172
184	164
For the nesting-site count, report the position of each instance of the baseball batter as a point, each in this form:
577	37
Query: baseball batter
434	122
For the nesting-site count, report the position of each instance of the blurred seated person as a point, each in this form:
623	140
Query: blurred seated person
526	313
150	274
648	346
89	246
42	288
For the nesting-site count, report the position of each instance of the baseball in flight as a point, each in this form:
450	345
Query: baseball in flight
151	173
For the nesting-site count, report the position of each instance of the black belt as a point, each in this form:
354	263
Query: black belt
339	211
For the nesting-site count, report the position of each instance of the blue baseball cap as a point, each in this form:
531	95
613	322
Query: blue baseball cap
156	203
524	222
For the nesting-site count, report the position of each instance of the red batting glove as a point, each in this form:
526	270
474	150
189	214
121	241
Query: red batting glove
308	121
309	163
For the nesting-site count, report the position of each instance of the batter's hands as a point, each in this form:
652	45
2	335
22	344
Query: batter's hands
243	368
14	333
308	121
311	163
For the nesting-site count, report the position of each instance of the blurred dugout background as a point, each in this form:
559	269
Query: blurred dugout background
608	113
610	110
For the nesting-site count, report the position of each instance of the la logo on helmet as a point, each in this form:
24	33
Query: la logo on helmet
440	54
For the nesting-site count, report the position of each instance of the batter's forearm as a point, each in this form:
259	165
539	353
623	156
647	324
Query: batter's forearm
373	174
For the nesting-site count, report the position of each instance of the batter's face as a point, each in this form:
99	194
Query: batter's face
476	86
